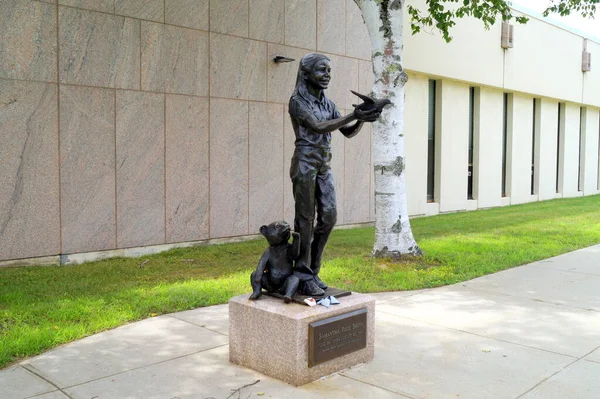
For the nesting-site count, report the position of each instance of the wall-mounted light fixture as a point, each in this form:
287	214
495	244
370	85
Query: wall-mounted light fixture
507	40
586	58
279	59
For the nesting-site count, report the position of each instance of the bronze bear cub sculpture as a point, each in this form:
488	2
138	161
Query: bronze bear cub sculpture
274	271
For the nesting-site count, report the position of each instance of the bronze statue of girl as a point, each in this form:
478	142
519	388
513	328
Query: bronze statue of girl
314	117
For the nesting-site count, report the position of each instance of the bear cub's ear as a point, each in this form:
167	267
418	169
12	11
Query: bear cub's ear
263	230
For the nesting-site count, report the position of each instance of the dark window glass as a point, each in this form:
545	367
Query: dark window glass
504	142
471	133
580	163
535	106
558	146
431	142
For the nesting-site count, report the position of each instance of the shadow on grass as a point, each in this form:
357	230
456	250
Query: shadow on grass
41	307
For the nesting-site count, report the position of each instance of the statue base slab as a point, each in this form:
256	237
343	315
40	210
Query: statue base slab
300	344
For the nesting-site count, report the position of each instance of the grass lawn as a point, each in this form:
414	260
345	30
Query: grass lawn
41	307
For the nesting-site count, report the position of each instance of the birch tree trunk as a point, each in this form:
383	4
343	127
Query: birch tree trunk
393	234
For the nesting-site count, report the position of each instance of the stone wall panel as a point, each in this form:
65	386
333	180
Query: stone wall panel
29	199
188	13
228	168
152	10
187	168
174	60
27	40
140	169
94	5
358	43
266	20
266	164
357	176
331	26
338	143
281	77
301	23
229	17
98	49
87	166
344	77
288	152
238	68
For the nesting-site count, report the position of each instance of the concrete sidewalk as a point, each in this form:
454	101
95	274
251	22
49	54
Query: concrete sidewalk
529	332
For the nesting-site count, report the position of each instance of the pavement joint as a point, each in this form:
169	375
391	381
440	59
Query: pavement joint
562	270
141	367
531	299
403	394
39	374
480	335
590	352
548	378
47	393
197	325
404	298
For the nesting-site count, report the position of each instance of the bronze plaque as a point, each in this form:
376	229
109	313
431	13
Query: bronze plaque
336	336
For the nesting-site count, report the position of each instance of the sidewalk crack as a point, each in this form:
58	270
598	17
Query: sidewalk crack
545	267
531	299
547	378
198	325
39	374
403	394
144	366
480	335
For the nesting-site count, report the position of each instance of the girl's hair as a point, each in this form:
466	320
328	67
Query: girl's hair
307	63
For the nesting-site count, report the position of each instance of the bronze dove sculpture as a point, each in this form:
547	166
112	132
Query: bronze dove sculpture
370	103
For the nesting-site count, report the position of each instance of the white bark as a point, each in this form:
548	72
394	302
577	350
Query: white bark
393	234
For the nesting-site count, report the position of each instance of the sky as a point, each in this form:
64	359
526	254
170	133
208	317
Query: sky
589	26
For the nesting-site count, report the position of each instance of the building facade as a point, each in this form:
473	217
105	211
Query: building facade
132	126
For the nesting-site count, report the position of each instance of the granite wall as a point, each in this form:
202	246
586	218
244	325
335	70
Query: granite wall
128	123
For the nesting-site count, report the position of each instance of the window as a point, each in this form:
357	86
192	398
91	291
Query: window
535	126
598	183
580	160
471	134
559	134
431	142
504	142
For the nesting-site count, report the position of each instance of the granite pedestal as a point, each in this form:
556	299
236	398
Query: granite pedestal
271	337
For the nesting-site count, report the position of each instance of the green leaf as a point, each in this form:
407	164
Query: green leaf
443	14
